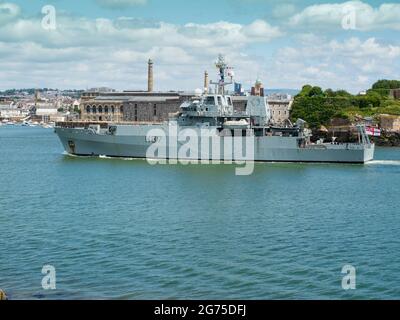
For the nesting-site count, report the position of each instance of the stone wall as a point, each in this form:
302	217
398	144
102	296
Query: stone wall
155	111
280	111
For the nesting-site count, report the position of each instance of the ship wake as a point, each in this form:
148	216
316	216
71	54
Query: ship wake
385	162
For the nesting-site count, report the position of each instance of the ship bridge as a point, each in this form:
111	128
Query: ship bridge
209	106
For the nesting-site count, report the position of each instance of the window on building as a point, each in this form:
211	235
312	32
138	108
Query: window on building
100	109
121	109
155	110
94	109
112	109
87	109
106	109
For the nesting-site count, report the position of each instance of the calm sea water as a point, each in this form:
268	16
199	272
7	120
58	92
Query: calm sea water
127	230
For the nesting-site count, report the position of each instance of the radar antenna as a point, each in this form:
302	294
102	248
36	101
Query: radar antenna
224	72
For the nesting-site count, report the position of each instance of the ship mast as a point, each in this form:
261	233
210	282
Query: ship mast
223	73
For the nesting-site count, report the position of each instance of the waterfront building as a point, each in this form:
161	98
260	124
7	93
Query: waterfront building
281	106
8	113
104	104
97	106
139	106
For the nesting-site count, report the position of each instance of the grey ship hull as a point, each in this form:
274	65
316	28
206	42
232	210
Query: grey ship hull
130	142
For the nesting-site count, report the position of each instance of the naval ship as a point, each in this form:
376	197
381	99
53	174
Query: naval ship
211	119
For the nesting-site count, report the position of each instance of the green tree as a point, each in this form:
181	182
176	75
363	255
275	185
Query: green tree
316	92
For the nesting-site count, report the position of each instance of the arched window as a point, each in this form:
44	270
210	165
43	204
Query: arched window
100	109
87	109
94	109
106	109
112	109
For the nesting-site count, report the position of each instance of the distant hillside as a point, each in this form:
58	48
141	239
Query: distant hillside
318	107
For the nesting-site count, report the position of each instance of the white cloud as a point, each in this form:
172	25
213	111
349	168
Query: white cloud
113	52
98	32
386	16
120	4
351	64
260	30
8	12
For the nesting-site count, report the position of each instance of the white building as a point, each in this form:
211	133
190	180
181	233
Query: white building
280	106
46	111
11	112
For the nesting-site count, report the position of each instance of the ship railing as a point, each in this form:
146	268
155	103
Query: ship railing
362	135
103	124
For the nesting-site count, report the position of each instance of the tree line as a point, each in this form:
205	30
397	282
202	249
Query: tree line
318	107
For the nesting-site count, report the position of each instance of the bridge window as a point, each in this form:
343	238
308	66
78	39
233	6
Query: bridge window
209	100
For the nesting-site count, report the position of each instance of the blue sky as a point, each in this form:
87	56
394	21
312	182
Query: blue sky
285	43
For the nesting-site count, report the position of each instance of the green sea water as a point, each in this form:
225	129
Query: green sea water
123	229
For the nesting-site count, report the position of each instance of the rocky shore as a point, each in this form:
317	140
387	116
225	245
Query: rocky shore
388	139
